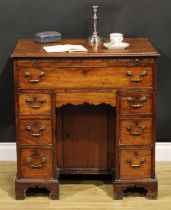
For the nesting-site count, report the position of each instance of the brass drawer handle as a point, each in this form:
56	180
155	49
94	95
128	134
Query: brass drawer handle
35	103
136	79
136	130
40	129
29	76
135	165
36	156
136	102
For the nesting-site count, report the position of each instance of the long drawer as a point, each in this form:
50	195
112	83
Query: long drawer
83	77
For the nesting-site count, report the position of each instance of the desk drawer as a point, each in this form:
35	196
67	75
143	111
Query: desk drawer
34	104
36	163
84	77
36	132
135	163
136	103
135	131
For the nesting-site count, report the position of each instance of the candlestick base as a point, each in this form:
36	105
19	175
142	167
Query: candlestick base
94	41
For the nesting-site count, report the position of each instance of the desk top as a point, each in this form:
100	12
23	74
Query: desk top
26	48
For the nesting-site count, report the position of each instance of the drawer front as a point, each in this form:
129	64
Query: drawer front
84	77
135	131
36	132
94	98
34	104
136	103
135	163
36	163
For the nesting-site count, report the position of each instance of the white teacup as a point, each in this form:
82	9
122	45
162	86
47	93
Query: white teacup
116	38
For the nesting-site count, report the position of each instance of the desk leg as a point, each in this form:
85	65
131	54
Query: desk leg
22	186
150	186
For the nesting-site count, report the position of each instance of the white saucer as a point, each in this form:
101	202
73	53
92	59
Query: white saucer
111	46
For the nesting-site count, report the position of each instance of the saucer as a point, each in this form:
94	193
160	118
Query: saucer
110	46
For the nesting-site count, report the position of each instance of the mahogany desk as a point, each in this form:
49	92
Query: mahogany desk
85	113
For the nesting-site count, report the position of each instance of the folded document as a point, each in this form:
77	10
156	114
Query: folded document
65	48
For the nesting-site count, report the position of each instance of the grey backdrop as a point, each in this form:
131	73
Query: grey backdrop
135	18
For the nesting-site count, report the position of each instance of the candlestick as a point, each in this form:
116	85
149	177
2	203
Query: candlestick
95	40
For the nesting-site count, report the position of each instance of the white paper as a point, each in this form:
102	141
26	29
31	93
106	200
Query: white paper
65	48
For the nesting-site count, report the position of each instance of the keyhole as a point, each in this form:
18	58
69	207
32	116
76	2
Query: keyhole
85	71
136	153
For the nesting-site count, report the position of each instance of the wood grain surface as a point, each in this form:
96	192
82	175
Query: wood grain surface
135	105
42	172
85	137
94	98
136	135
35	107
127	171
84	77
138	47
40	132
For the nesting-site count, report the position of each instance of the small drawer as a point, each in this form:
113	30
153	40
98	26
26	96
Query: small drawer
135	163
36	132
34	104
135	131
36	163
136	103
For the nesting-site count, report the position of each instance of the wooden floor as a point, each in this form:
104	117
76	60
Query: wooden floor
85	194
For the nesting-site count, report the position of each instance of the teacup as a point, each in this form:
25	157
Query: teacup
116	38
